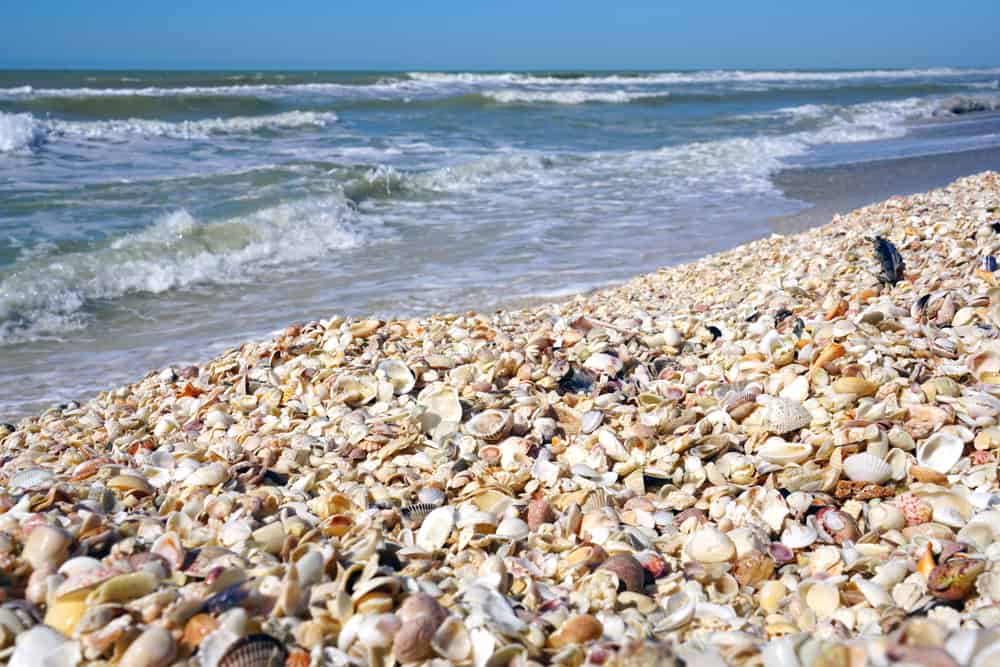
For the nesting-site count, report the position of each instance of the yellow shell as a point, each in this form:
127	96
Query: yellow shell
66	612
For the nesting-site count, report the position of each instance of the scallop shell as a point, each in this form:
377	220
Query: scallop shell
490	425
257	650
779	451
436	528
865	467
441	407
940	452
783	415
398	374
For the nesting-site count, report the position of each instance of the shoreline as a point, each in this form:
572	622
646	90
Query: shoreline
785	447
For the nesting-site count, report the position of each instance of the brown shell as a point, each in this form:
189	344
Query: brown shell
955	578
257	650
753	567
196	629
577	630
413	641
540	512
630	573
421	605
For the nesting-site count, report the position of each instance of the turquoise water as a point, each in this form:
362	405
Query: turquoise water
152	217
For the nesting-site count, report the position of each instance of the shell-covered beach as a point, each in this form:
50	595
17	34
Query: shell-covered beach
784	455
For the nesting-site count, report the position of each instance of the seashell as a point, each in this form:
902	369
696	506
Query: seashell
413	641
436	528
129	484
256	650
196	629
631	575
680	609
66	612
753	567
211	475
169	546
940	452
442	409
217	419
416	513
798	536
772	594
828	354
30	480
865	467
855	386
124	587
378	630
782	415
452	641
431	495
364	328
576	630
47	547
155	647
885	516
490	425
875	594
824	599
710	545
779	451
837	526
270	537
41	646
590	421
398	374
604	364
512	528
540	512
955	578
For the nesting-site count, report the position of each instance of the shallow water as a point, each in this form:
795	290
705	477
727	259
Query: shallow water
156	217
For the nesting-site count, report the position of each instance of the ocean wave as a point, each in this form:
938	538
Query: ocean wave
19	132
964	104
571	96
50	294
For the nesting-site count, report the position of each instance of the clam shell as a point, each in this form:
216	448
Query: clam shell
41	646
631	575
47	547
442	409
940	452
824	599
710	545
513	528
413	641
452	641
798	536
779	451
398	374
155	647
865	467
783	415
436	528
490	425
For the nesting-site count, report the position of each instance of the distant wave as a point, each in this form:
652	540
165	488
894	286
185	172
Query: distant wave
572	96
21	131
48	294
964	104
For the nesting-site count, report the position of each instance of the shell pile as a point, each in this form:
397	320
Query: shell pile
773	456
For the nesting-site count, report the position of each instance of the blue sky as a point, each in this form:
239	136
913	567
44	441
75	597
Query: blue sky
509	34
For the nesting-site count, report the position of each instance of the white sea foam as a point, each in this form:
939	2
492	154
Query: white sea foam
19	132
190	129
48	295
578	96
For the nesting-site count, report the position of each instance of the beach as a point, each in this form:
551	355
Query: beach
784	453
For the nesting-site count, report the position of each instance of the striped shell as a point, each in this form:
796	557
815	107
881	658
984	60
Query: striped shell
257	650
416	513
490	425
783	415
865	467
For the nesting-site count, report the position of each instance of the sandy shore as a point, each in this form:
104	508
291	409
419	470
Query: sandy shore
783	454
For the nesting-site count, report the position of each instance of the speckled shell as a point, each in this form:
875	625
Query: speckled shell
783	415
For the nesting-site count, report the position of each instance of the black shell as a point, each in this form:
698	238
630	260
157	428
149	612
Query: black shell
258	650
890	259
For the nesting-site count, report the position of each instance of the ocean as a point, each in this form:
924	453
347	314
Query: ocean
149	218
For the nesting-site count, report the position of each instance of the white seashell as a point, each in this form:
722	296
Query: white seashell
495	609
779	349
47	547
796	390
490	425
780	653
377	630
451	641
442	409
875	594
155	647
679	608
779	451
218	419
211	475
865	467
513	528
711	545
436	528
940	452
430	495
591	420
354	391
798	536
42	646
398	374
824	599
783	415
27	480
603	363
885	516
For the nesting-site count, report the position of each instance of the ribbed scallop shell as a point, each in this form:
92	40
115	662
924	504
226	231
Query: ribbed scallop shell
490	425
865	467
783	415
257	650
